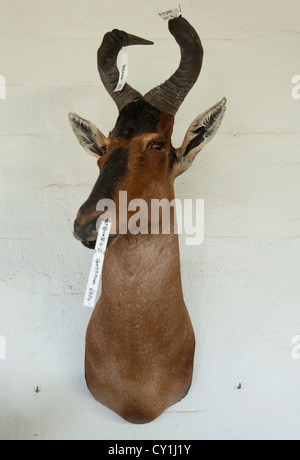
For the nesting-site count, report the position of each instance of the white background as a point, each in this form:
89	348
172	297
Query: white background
241	286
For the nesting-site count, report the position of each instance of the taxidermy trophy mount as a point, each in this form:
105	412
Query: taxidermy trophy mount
140	341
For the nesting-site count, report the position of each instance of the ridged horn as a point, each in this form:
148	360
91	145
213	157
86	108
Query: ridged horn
169	96
107	65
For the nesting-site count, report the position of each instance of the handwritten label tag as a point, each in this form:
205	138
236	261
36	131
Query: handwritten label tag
103	235
124	63
170	14
97	264
94	281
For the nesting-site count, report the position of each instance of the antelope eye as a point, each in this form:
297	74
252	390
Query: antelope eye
156	147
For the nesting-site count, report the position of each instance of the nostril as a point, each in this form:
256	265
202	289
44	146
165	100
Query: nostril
84	232
78	230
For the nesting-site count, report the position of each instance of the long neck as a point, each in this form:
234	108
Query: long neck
142	269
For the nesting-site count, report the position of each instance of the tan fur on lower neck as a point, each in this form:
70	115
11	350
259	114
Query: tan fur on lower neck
140	342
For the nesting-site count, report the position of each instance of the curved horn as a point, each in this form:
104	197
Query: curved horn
169	96
107	65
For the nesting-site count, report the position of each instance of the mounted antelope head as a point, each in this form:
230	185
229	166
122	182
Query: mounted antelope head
140	342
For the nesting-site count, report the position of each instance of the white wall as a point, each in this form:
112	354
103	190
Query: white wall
241	285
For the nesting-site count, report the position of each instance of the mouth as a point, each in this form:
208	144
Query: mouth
88	235
89	244
92	244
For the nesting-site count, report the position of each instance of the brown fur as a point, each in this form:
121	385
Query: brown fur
140	342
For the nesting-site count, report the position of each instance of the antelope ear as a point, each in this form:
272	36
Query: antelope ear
89	136
201	131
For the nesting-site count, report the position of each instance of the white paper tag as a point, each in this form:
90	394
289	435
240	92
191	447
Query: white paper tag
103	235
124	62
97	264
170	14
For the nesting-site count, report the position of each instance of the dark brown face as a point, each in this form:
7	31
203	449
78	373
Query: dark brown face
136	158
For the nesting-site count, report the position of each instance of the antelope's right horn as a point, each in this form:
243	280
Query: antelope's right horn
107	65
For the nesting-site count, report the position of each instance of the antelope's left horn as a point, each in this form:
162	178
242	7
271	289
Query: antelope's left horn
169	96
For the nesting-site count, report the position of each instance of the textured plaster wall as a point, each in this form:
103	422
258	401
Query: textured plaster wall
241	285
